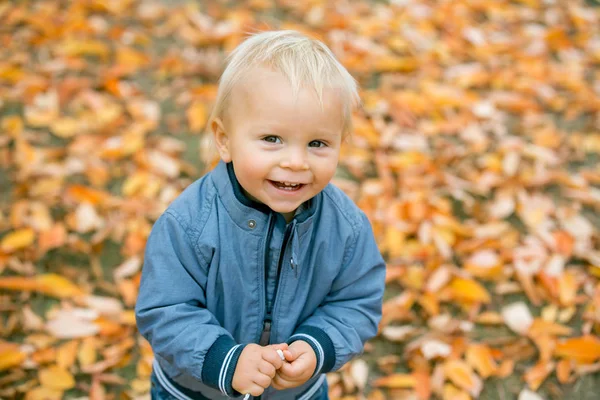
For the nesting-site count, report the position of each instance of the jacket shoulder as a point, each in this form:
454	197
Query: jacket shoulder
193	205
347	209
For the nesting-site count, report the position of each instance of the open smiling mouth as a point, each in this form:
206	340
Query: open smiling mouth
287	186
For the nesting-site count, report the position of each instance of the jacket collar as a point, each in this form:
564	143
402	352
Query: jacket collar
242	209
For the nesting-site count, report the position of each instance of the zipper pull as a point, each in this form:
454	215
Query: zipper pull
294	269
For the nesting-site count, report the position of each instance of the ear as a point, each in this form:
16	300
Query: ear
221	139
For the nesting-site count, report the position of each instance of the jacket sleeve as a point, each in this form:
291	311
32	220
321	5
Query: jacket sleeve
170	309
351	312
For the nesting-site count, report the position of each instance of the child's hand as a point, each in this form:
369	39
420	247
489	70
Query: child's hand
301	365
256	368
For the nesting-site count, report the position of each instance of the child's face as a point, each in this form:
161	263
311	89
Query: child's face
284	149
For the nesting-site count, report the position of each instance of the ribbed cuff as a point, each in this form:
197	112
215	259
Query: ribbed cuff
321	345
219	365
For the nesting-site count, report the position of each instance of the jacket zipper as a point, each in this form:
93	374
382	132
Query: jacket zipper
265	335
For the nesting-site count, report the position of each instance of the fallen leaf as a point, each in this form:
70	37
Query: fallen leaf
517	317
17	240
583	349
55	377
50	284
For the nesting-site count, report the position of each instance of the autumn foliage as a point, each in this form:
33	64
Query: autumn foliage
475	154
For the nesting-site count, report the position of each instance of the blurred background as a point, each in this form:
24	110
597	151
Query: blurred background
476	156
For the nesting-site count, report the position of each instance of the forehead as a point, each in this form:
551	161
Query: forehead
265	93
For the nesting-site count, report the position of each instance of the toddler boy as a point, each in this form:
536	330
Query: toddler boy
262	253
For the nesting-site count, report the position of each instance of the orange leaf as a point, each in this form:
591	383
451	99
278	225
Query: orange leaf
480	357
84	194
537	374
541	326
18	239
396	381
422	385
567	288
506	368
52	238
469	290
461	374
197	116
563	370
584	349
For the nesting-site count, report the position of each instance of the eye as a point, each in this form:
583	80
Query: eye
317	143
271	139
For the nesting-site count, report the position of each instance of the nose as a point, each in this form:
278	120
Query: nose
295	159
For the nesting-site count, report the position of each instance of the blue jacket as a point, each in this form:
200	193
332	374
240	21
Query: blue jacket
222	271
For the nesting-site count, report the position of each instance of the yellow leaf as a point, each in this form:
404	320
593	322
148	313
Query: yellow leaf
135	183
197	116
130	59
11	74
127	318
58	286
12	125
480	357
66	354
469	290
16	240
396	381
489	318
10	356
50	284
66	127
140	385
87	354
55	377
74	47
451	392
584	349
393	242
44	393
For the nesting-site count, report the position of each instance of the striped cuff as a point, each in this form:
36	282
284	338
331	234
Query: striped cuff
219	364
321	345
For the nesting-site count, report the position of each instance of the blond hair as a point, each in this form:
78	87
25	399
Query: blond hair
304	61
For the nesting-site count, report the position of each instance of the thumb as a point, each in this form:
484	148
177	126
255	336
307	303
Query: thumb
290	355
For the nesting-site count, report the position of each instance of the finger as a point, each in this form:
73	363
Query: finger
262	380
271	356
279	382
267	369
254	390
290	370
289	355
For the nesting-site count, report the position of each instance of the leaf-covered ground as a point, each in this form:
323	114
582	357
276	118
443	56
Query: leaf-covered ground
476	155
